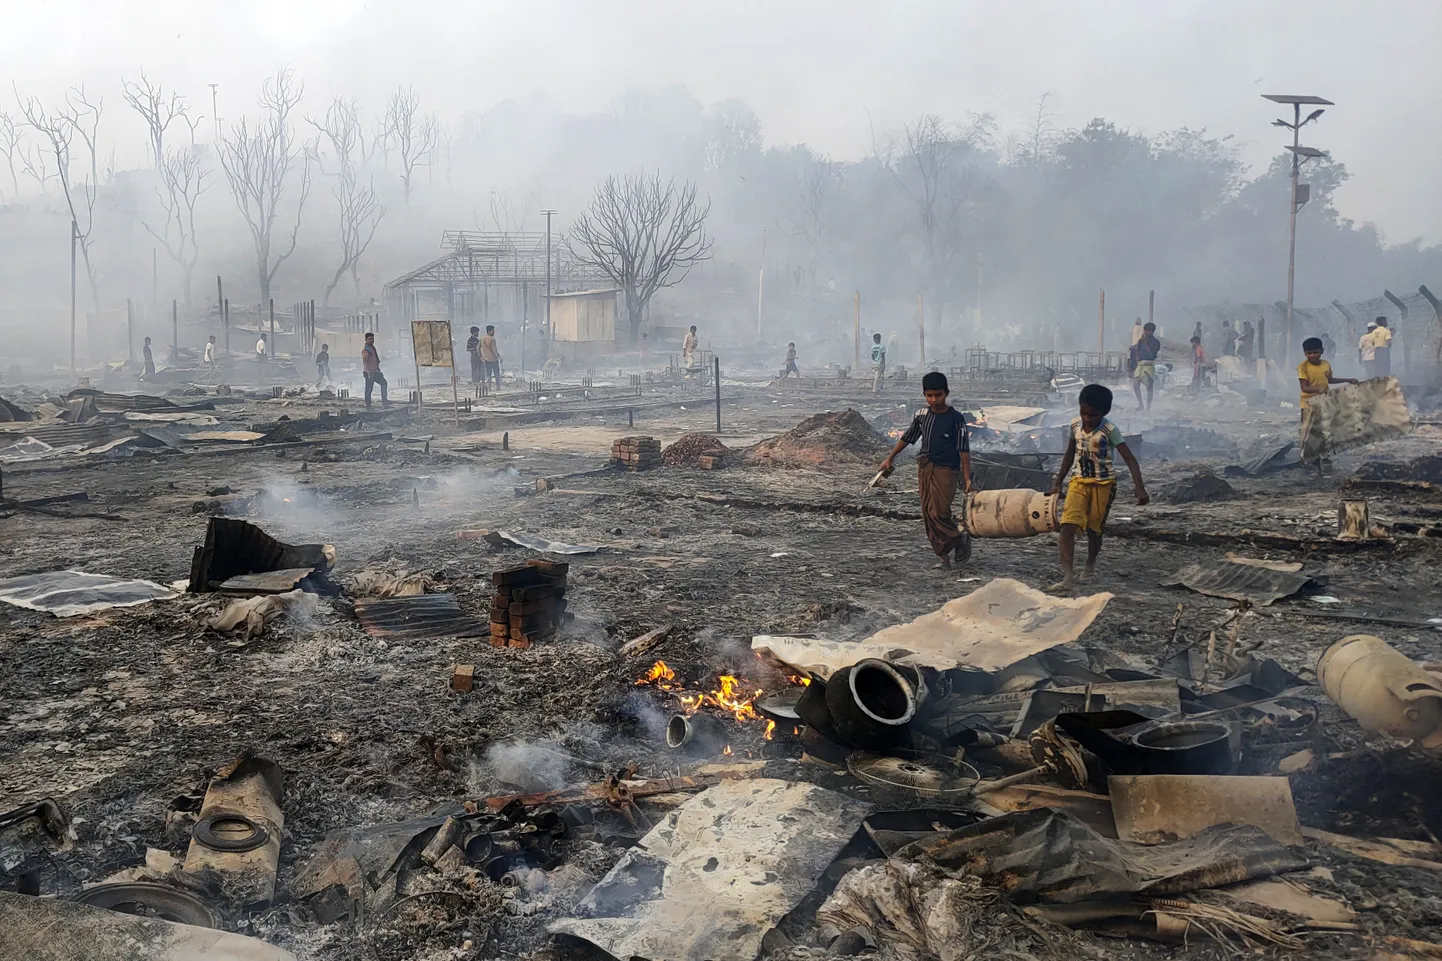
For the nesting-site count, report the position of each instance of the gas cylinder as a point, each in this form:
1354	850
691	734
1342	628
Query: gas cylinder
1382	689
1011	513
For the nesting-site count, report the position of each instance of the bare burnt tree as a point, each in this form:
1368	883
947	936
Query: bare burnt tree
357	205
59	130
410	133
934	173
11	134
35	166
259	159
643	233
814	188
158	109
360	213
182	181
507	214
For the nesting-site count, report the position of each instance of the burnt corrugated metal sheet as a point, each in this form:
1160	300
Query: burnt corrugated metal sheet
119	403
417	618
1239	582
60	434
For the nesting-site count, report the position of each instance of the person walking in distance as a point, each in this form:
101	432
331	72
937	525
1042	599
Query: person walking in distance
149	359
473	348
210	349
878	363
322	366
490	355
371	370
688	348
790	367
260	349
1144	364
1367	350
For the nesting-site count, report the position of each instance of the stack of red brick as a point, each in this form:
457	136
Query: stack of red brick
636	453
529	604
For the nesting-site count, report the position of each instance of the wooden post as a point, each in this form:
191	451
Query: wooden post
856	332
175	330
272	327
1102	324
225	324
129	330
1151	306
416	356
717	372
921	332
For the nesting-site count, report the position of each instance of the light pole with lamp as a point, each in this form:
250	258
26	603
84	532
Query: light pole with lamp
1300	192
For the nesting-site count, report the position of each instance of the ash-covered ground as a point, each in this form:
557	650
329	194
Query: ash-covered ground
119	714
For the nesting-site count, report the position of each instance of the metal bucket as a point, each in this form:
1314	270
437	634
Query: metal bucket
1020	512
1382	689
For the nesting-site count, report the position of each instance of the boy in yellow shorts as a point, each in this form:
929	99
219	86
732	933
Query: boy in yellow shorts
1089	496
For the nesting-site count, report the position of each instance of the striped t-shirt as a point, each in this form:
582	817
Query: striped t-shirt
1094	449
943	436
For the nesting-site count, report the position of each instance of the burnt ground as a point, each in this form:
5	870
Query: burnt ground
120	713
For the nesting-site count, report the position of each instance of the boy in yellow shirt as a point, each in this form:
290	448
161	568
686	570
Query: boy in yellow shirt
1090	494
1316	378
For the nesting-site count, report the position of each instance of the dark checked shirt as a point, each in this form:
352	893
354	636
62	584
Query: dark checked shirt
943	436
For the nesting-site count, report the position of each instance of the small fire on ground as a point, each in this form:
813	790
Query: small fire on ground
727	696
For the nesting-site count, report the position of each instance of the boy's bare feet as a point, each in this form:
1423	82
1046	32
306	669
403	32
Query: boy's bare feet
1064	586
1087	574
944	564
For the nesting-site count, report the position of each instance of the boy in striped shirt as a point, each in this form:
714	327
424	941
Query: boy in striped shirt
1089	496
943	464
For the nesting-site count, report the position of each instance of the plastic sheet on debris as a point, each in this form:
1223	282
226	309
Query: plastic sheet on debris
991	628
538	543
50	929
68	593
713	878
1239	582
1056	858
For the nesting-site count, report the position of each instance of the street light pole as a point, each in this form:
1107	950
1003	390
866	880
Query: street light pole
549	214
1297	198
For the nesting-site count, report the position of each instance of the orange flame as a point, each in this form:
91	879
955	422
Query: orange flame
770	731
799	680
659	675
728	696
727	752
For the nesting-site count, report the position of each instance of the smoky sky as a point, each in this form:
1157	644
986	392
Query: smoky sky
824	73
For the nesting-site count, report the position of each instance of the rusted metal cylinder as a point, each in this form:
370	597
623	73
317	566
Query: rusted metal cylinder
1011	513
1382	689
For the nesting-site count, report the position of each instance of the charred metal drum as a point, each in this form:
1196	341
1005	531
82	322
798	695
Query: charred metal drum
1021	512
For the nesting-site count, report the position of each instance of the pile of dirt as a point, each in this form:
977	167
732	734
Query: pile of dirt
687	451
843	437
1202	486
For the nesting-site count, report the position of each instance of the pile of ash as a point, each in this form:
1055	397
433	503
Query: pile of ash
822	439
687	451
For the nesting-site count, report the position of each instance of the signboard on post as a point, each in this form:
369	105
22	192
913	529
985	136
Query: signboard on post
431	343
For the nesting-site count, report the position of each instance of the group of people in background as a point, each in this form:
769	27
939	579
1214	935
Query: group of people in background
1374	349
485	356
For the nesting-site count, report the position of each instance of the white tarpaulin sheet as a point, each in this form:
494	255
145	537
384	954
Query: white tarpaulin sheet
538	543
68	593
991	628
717	874
1353	415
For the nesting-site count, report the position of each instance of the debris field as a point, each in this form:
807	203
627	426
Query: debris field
285	679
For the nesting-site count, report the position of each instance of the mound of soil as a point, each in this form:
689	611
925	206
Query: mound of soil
842	436
687	451
1202	486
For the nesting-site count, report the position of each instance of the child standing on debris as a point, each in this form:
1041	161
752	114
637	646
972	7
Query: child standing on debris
791	367
878	363
210	355
371	370
688	348
149	359
1199	360
1090	494
1315	377
944	459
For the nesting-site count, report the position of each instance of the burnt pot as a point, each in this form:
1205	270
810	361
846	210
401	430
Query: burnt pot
872	704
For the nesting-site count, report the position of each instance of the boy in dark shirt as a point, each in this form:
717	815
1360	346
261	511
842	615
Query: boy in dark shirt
322	366
944	460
